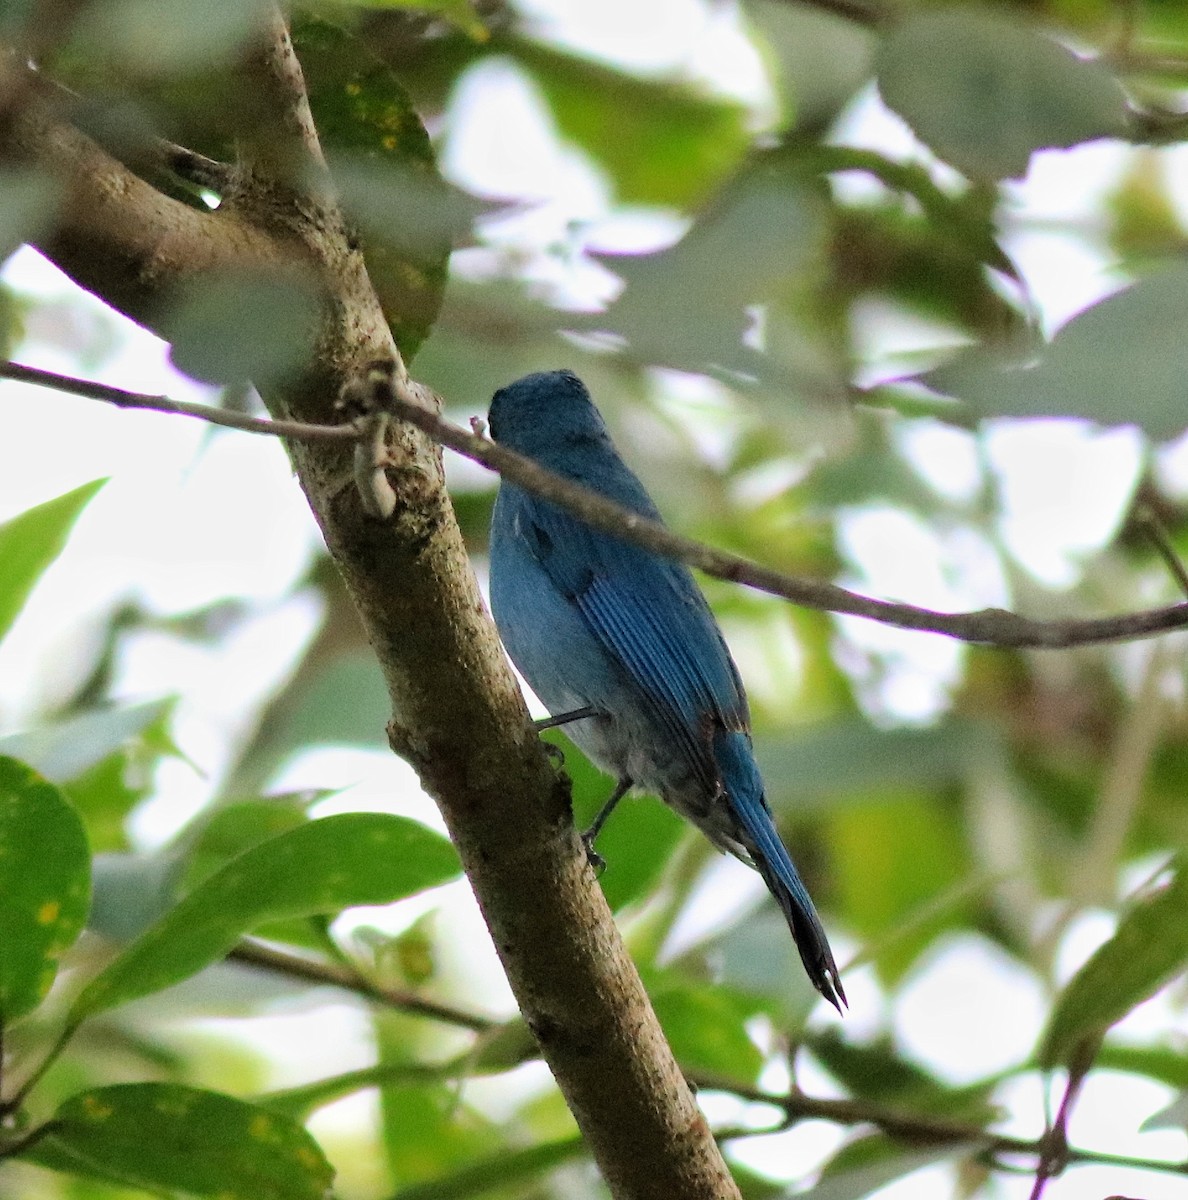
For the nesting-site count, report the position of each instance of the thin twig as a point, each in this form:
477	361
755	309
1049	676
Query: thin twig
416	404
919	1128
990	626
256	954
1148	521
205	412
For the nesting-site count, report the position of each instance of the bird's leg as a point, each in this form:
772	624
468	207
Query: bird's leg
592	856
578	714
543	723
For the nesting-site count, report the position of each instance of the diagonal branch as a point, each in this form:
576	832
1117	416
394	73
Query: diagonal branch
412	402
458	715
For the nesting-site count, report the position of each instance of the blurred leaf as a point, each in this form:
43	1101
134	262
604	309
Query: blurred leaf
890	857
935	271
322	867
816	59
877	1071
704	1027
984	92
504	1047
226	831
850	756
509	1168
345	702
663	142
235	326
429	1135
28	205
757	956
298	1103
412	953
1121	361
689	306
1145	225
1156	1062
163	1136
45	880
168	37
65	750
1174	1116
131	891
30	541
383	165
107	792
871	1163
460	13
1148	950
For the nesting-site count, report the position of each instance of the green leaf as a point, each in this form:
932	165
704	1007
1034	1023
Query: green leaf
662	142
1156	1062
234	326
31	541
67	749
984	92
228	830
167	1137
871	1163
1122	361
322	867
1148	950
460	13
407	216
45	882
510	1168
890	858
878	1072
704	1026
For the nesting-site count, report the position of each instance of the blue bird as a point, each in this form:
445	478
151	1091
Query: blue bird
621	646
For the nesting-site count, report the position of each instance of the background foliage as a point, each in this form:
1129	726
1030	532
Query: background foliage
824	335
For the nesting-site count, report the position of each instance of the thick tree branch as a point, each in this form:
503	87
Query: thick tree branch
458	715
411	402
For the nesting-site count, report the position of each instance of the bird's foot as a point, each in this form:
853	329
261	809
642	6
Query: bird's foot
596	861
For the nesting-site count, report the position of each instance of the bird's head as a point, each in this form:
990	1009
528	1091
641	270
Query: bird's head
546	411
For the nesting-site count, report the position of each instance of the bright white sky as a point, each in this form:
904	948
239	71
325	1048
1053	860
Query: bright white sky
169	532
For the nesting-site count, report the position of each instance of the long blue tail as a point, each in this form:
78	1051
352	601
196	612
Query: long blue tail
744	786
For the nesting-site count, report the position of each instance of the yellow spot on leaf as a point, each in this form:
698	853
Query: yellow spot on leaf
47	914
261	1128
95	1109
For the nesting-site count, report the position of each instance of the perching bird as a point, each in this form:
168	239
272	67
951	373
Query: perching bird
620	646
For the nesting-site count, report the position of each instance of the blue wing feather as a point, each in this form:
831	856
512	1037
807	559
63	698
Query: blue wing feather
635	604
640	608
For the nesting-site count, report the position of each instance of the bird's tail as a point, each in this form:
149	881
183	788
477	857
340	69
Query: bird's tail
741	779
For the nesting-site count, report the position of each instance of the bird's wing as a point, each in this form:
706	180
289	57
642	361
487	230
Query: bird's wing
649	615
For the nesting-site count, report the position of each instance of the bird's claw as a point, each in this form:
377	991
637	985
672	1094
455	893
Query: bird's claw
596	861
